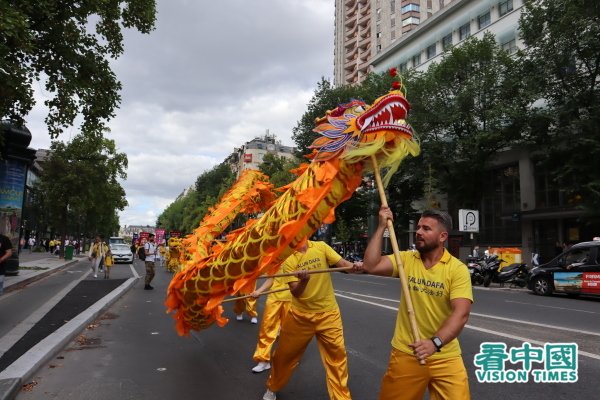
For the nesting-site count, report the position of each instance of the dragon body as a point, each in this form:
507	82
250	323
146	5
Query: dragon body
351	134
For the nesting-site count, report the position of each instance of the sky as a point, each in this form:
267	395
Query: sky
211	76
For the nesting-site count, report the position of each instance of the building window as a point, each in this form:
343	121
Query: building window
393	35
379	48
411	21
403	67
378	34
410	7
484	20
393	22
464	31
416	60
441	3
505	7
510	47
431	51
393	6
378	13
447	42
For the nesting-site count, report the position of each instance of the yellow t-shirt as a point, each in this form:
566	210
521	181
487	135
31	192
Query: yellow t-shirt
318	296
431	291
284	295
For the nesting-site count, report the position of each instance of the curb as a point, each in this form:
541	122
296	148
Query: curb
19	372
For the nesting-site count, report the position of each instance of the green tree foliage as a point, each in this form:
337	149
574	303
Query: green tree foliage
277	168
563	51
465	109
79	191
68	46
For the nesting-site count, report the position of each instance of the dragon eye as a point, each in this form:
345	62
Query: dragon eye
360	109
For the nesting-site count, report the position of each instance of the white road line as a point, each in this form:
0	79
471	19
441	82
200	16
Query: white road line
537	324
363	281
15	334
133	271
557	308
366	295
506	335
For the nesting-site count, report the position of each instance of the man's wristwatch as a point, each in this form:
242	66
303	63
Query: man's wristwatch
437	342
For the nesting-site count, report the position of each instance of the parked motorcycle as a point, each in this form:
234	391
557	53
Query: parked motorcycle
514	274
475	265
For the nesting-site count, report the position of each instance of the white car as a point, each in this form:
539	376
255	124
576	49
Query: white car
121	253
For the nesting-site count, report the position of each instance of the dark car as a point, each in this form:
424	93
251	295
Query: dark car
574	272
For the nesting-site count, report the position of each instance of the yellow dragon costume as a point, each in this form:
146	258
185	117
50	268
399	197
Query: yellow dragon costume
351	134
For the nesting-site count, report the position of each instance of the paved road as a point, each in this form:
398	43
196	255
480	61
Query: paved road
133	351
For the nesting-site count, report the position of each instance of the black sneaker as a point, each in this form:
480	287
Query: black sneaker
148	287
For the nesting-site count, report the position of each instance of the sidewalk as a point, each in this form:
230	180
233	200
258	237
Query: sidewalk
44	333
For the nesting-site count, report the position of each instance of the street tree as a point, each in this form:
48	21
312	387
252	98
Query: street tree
465	109
277	168
68	46
79	191
563	50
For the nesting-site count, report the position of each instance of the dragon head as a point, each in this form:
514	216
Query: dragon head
354	132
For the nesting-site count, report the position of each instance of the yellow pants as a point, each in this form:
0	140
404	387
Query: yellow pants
297	330
273	316
248	304
406	379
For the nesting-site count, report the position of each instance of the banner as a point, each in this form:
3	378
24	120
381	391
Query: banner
160	236
12	186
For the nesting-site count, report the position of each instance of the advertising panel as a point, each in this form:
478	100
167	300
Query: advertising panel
12	185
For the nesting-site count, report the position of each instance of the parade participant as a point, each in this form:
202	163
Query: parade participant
108	263
150	252
6	251
248	305
96	254
276	307
442	296
314	313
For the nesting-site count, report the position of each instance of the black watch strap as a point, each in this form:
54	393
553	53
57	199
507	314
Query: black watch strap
437	342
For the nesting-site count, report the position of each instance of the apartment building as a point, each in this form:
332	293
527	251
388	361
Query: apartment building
450	27
251	154
366	28
521	206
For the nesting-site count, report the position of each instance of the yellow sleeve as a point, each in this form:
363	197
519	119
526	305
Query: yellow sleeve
461	283
330	254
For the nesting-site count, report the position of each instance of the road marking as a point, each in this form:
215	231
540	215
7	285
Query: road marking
134	272
368	302
12	337
584	353
558	308
363	281
536	324
366	295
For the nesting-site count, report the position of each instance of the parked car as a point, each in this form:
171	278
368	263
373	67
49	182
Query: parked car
576	271
121	253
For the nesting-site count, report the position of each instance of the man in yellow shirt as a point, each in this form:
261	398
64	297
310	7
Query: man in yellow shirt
314	312
440	289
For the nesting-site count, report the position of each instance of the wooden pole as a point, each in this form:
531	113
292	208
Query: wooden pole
314	271
403	281
249	295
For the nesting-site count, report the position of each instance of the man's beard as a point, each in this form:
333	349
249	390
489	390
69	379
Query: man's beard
424	247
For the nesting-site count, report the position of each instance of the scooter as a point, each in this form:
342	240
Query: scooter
515	274
475	266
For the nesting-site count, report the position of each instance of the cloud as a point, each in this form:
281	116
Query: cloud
212	76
